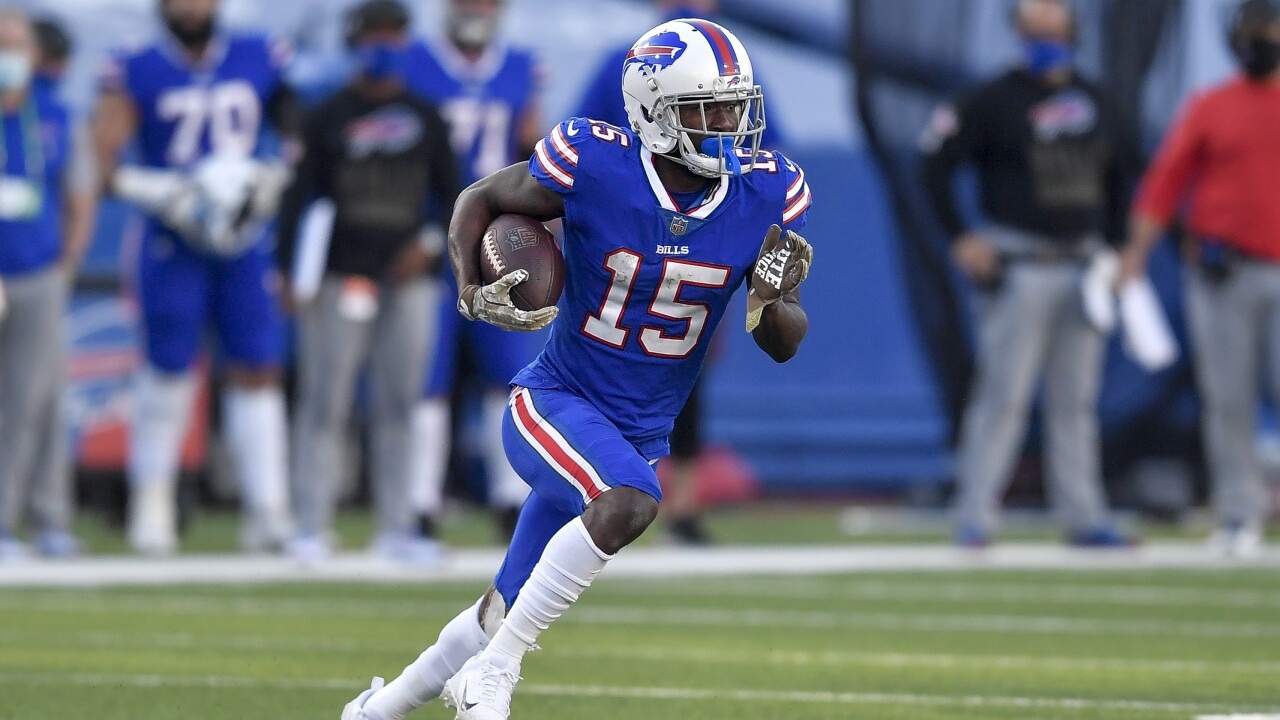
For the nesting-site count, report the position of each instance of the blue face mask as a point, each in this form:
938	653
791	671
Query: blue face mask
1044	56
381	61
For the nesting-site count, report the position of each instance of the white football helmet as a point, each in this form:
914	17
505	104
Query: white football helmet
692	62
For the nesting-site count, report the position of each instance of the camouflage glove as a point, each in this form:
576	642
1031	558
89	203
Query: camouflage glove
782	265
492	304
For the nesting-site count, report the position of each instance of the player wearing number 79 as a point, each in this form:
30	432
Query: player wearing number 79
663	223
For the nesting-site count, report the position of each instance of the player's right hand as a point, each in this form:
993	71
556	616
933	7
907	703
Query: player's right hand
976	256
492	304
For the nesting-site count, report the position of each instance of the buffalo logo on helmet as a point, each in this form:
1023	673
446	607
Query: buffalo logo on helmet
521	237
657	51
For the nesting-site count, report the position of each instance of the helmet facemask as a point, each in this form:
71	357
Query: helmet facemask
715	157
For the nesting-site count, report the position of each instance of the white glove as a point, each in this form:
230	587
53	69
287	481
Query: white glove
268	188
492	304
170	196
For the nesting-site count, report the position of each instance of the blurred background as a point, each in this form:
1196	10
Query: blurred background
868	414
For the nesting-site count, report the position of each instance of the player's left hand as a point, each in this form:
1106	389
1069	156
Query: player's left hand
782	265
492	304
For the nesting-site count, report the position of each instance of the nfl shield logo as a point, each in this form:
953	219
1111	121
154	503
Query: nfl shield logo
679	225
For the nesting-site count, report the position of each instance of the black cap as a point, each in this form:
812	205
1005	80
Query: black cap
375	15
52	39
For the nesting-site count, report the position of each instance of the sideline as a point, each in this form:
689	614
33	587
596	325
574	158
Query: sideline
480	564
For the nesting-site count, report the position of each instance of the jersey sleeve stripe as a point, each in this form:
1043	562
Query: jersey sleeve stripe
798	206
554	448
563	147
549	166
796	186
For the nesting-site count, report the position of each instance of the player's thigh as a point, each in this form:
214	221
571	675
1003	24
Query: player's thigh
500	354
568	452
442	354
247	311
174	301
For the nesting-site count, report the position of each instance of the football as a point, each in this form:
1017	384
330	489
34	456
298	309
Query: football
516	242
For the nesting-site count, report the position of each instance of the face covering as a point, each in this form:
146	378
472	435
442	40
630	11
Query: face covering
472	30
1044	56
15	70
192	37
380	61
1259	56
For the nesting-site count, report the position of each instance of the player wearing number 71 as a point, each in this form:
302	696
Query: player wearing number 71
663	222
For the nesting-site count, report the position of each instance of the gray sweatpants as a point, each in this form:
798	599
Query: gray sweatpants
334	344
1234	325
35	473
1032	328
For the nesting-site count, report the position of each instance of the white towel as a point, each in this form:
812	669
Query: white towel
1148	340
312	248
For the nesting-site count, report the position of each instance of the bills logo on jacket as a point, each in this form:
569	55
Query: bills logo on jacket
1067	113
390	130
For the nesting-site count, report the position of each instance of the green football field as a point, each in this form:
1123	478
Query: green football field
981	644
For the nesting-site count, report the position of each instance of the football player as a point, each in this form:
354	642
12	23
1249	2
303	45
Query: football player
488	94
663	222
196	101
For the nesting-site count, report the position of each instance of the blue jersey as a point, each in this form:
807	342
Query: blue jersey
647	280
483	101
188	111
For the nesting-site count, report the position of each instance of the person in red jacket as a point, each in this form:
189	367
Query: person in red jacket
1219	163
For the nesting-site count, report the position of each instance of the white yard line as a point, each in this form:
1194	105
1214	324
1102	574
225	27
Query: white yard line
913	590
782	658
598	613
634	563
640	693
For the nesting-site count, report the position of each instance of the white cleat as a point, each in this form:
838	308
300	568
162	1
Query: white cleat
309	550
407	548
1242	540
354	710
153	519
265	530
482	688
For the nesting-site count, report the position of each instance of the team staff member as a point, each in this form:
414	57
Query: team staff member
1224	153
1047	161
46	220
381	155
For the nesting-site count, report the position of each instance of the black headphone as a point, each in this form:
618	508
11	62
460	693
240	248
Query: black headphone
374	15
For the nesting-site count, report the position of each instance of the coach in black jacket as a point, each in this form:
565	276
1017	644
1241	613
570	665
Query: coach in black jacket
1045	149
383	157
